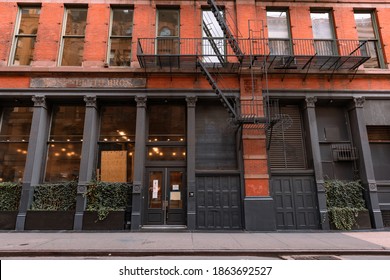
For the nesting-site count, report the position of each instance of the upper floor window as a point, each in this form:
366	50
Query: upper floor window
323	33
168	23
278	32
121	33
367	30
72	44
213	42
25	36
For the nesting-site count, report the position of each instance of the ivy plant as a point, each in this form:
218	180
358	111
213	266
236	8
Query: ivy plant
55	197
344	201
10	196
104	197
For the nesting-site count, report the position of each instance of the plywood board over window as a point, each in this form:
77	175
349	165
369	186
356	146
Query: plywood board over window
113	166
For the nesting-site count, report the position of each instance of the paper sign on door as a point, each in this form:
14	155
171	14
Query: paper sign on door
155	189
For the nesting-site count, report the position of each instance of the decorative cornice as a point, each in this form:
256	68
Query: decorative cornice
39	101
141	101
311	102
191	101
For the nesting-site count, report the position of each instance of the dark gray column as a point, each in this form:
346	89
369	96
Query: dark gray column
366	168
191	200
316	154
35	157
88	157
139	166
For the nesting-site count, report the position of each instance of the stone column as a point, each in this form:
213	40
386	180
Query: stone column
316	154
191	200
88	157
366	168
35	157
139	167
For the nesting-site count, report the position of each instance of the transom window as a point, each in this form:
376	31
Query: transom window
121	33
72	47
25	36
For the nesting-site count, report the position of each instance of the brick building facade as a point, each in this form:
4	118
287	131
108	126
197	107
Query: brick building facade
222	114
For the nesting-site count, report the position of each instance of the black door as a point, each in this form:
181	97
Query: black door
166	196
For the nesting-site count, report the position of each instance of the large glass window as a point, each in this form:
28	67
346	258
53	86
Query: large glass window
120	36
65	140
167	132
278	32
367	30
116	143
14	134
72	46
323	33
25	36
168	31
213	43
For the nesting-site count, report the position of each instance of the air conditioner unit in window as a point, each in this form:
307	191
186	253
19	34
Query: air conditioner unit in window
344	152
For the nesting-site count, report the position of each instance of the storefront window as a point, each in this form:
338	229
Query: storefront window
116	143
65	141
14	134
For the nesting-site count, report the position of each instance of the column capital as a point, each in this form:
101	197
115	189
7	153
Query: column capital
311	102
39	101
90	101
141	101
359	101
191	101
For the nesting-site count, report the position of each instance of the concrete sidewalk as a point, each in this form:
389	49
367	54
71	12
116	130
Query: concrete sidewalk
191	243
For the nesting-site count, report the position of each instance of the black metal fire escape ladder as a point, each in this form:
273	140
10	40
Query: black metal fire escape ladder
213	43
226	30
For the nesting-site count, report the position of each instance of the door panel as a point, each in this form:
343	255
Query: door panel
166	197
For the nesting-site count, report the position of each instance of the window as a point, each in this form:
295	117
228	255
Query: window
167	132
278	33
120	37
379	138
116	143
72	47
25	36
323	33
213	43
367	30
64	151
168	32
14	134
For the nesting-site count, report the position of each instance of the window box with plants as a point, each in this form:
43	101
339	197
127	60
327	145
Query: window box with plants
53	207
106	206
9	204
346	206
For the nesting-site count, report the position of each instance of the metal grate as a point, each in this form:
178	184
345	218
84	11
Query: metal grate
344	152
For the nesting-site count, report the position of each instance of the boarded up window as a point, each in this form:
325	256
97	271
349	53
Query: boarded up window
287	149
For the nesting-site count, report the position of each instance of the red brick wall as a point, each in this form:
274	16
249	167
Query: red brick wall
96	35
49	34
345	23
8	12
383	17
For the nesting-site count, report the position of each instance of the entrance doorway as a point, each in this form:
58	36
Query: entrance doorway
166	194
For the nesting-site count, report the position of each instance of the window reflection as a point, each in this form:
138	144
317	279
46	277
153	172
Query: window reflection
14	136
65	141
121	36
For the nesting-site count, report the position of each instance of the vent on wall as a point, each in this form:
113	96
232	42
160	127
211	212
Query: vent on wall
344	152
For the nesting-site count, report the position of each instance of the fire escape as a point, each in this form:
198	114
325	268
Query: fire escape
258	56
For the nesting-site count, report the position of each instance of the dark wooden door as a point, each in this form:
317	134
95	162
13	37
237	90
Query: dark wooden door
165	197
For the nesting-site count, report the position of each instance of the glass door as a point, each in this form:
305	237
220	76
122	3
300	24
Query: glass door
166	197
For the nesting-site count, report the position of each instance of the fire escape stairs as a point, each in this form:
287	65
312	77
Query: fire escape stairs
213	44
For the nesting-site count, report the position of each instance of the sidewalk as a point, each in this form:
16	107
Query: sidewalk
191	243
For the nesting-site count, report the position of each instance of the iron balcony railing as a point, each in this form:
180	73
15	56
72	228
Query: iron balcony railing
276	53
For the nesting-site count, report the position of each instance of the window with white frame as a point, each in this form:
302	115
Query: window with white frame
73	36
25	36
121	33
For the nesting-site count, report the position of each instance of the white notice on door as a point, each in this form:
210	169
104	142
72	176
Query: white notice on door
155	189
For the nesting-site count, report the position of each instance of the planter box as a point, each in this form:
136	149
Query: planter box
8	220
114	221
49	220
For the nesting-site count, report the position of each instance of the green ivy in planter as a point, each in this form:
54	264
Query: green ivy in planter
104	197
344	201
55	197
10	196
